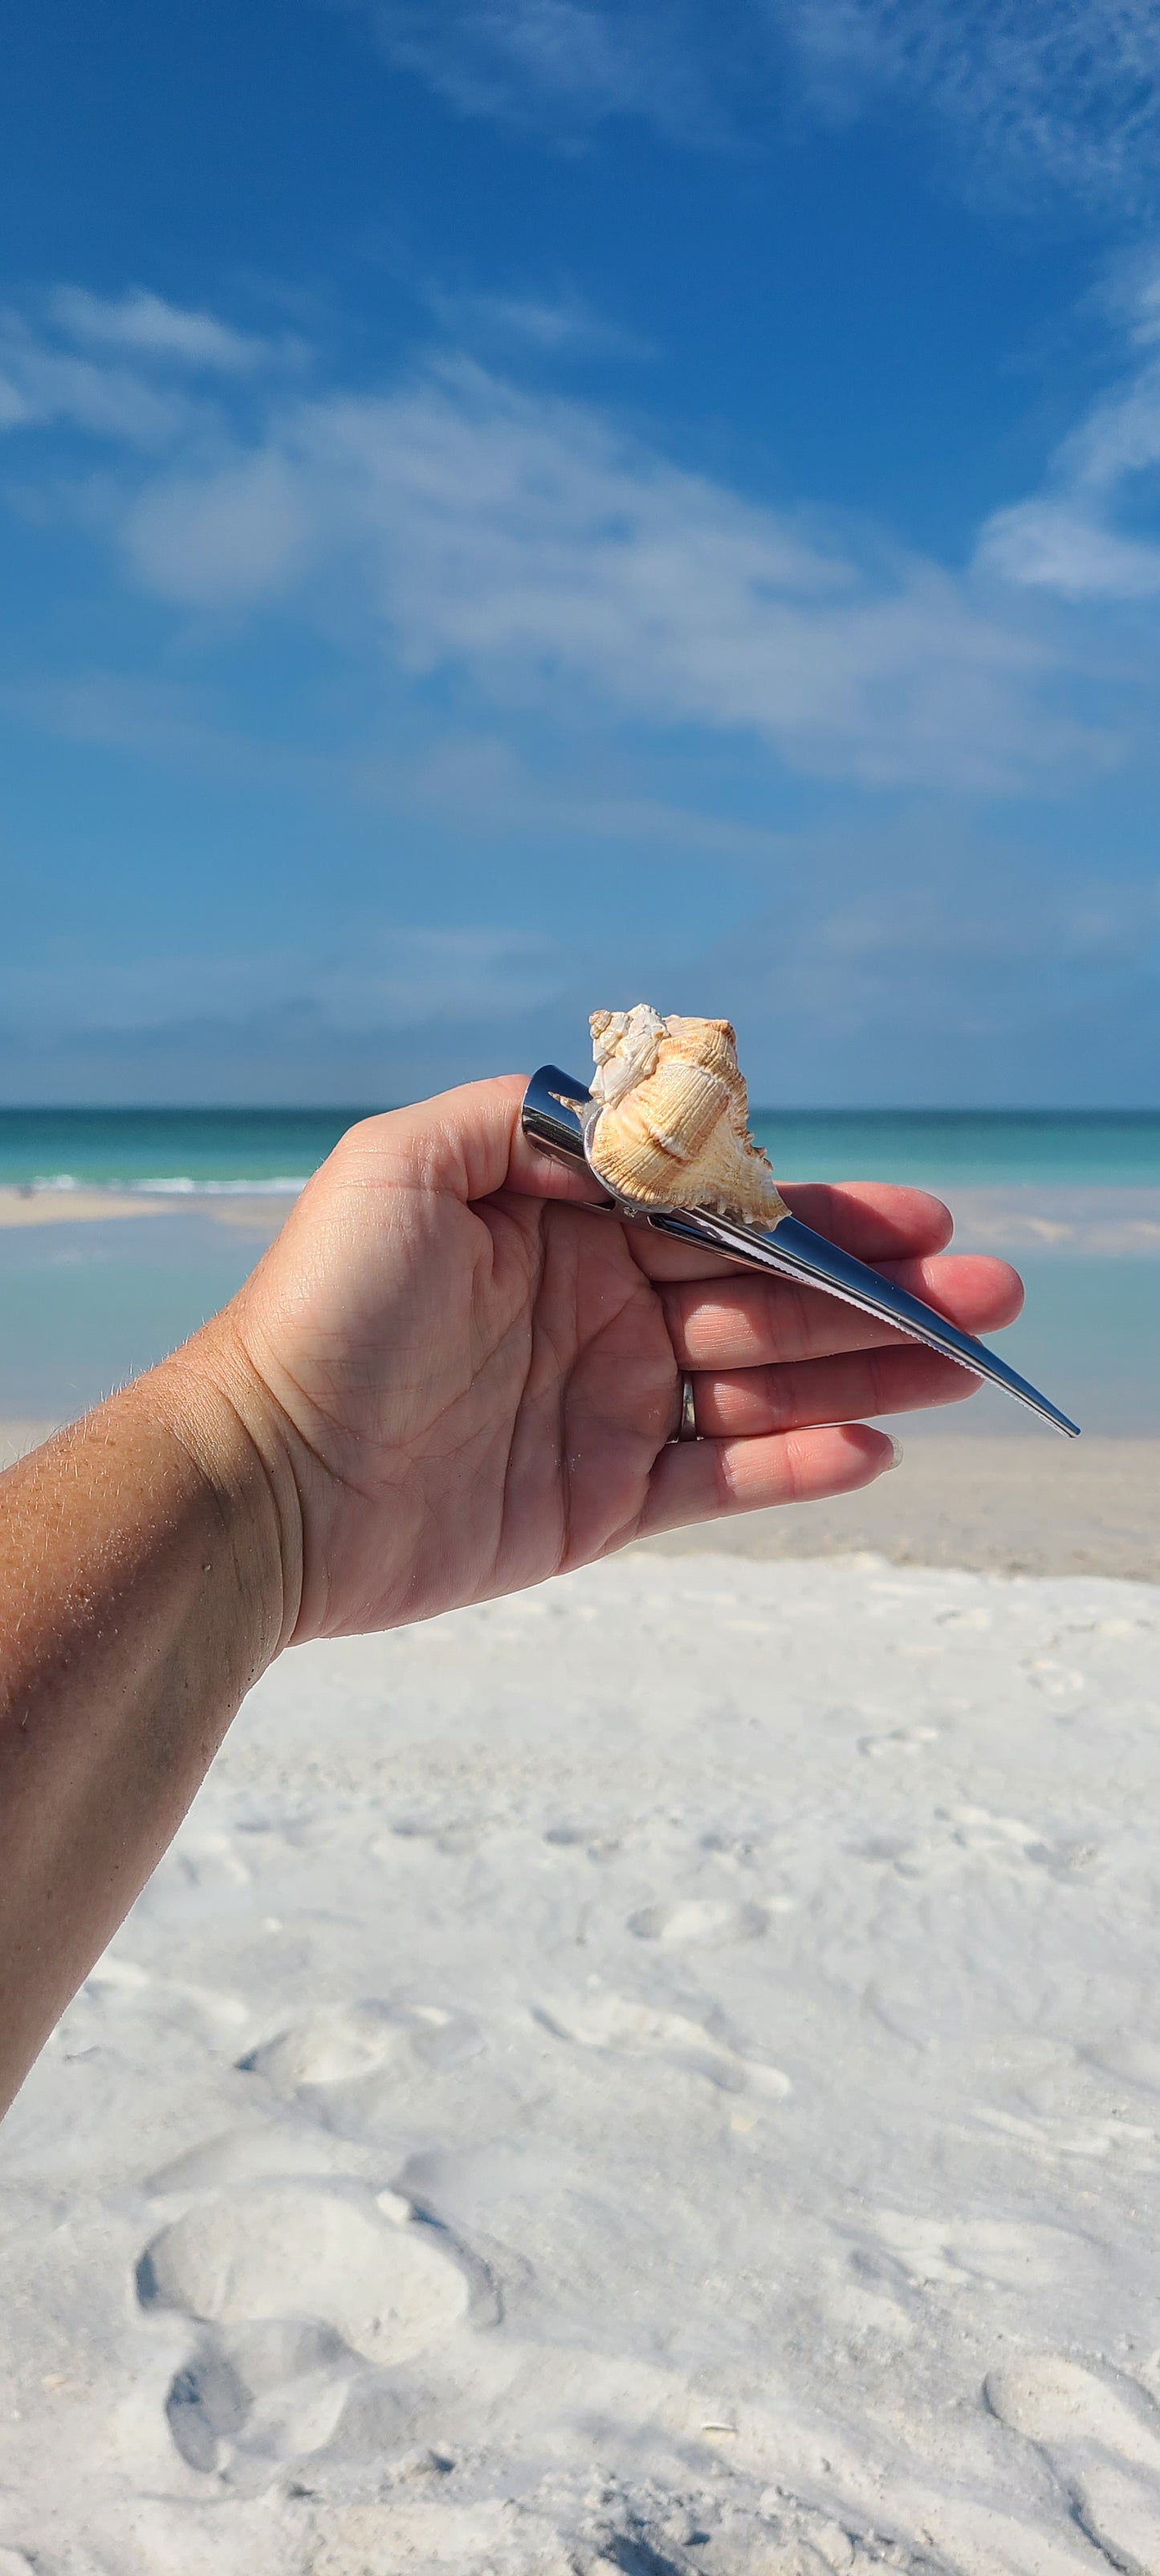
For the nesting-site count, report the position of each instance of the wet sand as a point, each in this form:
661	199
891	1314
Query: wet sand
1020	1504
25	1206
999	1505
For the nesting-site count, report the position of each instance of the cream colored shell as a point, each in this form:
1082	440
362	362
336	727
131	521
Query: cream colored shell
671	1126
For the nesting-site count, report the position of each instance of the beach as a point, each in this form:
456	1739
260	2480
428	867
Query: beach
1012	1502
619	537
87	1298
660	2073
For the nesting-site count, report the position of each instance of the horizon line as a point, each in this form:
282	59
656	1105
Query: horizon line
355	1110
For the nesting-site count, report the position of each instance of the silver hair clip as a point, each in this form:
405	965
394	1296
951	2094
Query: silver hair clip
554	1120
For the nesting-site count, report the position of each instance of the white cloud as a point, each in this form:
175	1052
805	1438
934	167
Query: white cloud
574	61
1068	89
1064	90
106	366
1066	539
523	545
156	329
479	781
548	325
410	977
40	386
1053	546
467	972
520	540
225	538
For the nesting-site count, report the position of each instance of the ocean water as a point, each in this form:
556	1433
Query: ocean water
222	1150
167	1150
85	1305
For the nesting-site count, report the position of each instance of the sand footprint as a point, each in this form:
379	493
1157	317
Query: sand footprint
631	2029
1102	2436
324	2251
897	1739
1121	2513
298	2286
709	1921
1006	2254
344	2042
272	2151
277	2390
127	1980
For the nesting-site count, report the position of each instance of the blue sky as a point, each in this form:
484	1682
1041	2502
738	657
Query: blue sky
510	505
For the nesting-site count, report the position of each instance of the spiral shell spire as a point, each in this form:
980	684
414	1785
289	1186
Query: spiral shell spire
671	1124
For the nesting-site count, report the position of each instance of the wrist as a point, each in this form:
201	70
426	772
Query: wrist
215	1405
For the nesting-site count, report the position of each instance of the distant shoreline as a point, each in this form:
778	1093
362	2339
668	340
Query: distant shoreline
26	1205
1116	1219
164	1152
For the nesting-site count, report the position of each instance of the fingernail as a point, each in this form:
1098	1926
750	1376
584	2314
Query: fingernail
896	1461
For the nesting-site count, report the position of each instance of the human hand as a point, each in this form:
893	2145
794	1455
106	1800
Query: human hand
471	1380
447	1378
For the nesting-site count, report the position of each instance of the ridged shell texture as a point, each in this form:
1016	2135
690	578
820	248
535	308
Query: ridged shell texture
671	1128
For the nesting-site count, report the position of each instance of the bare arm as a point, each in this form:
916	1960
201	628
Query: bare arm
444	1381
142	1591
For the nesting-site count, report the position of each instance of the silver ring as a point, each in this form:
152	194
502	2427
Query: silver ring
687	1419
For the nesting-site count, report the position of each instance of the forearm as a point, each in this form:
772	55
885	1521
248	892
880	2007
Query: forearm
143	1588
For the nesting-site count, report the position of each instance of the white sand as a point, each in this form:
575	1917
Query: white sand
661	2074
24	1206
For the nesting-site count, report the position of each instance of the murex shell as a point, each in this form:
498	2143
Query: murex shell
671	1128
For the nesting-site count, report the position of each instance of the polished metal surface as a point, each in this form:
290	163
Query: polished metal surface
687	1425
554	1120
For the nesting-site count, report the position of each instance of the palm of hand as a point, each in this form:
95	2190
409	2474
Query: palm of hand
472	1381
482	1408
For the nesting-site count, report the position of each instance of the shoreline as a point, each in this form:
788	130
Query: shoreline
1118	1221
1011	1503
24	1205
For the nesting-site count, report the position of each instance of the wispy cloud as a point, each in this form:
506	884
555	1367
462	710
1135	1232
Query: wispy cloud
1062	90
154	328
524	546
521	540
412	976
41	385
572	62
551	326
893	965
1067	89
947	966
106	365
1077	537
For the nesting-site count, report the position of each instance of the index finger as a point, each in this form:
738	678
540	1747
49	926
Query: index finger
749	1322
877	1220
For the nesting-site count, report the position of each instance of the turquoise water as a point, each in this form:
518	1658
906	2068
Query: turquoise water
230	1149
937	1148
168	1149
84	1306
